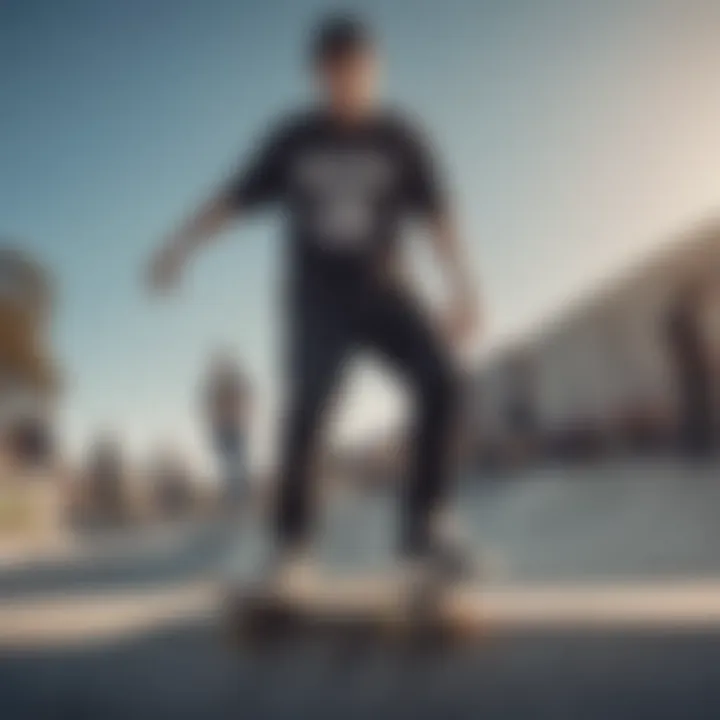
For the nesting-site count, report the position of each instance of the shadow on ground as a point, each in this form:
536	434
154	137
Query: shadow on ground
190	671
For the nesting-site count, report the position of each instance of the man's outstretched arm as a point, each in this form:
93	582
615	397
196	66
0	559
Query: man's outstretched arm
257	184
463	315
200	228
428	196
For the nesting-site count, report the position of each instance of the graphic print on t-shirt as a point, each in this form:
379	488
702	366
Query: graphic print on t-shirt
341	192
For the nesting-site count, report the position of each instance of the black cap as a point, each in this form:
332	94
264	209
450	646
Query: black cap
339	35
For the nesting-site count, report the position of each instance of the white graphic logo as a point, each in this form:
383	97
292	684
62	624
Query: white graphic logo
341	190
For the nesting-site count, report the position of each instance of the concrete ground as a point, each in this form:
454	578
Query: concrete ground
140	637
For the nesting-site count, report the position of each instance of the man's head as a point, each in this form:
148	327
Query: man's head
344	56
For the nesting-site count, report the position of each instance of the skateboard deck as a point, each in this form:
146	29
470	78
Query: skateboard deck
359	607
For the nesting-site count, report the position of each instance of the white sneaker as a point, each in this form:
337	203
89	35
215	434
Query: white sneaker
449	559
290	572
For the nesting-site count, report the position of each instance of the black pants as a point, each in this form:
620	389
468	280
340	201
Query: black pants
325	329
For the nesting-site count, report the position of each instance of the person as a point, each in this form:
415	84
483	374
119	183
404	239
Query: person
105	477
226	397
520	409
349	174
690	357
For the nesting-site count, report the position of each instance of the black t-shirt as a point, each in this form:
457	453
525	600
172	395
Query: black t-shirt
345	191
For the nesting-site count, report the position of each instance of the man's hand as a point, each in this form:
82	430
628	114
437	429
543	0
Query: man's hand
462	318
461	321
167	265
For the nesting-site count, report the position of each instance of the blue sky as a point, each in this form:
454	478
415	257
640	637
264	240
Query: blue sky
576	133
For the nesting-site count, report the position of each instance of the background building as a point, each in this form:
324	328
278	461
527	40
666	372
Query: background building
28	375
624	369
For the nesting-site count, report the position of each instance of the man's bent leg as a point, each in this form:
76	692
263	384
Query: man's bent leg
317	351
400	332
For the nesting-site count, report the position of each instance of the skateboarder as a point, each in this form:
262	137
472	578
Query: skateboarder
347	174
226	396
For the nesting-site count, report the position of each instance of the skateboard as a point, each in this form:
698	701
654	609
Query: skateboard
360	608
